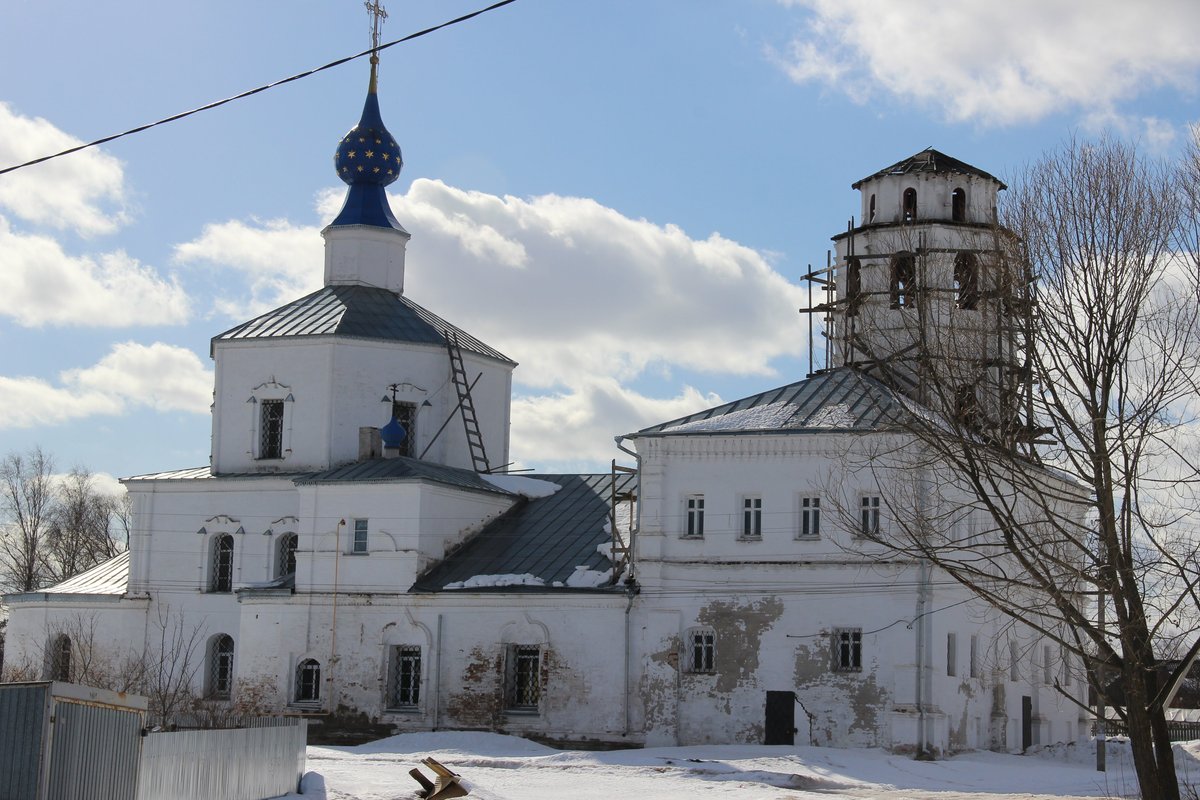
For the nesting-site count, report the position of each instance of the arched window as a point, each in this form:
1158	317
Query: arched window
285	555
904	280
308	681
966	281
220	577
220	667
958	206
871	210
60	658
910	205
854	293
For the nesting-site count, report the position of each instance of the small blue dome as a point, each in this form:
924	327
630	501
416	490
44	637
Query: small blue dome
392	434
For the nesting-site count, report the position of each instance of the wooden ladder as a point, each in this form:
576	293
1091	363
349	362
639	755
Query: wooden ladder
466	405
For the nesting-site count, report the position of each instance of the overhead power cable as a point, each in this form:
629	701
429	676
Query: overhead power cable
259	89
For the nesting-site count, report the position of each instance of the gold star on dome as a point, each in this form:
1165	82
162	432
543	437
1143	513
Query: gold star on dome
375	170
385	156
345	169
350	154
389	172
360	167
370	154
378	142
361	140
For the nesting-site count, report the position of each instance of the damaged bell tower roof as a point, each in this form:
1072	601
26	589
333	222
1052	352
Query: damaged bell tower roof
931	161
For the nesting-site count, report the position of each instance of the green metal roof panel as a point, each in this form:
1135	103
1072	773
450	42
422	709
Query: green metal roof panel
547	537
401	468
362	312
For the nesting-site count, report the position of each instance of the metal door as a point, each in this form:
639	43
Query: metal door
1026	723
780	725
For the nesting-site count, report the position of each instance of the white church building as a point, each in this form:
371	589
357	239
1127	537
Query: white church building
719	592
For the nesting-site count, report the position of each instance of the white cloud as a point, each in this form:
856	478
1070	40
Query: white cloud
83	192
997	63
586	299
40	284
158	376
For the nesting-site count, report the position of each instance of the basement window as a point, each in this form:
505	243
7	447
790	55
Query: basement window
847	650
702	650
522	679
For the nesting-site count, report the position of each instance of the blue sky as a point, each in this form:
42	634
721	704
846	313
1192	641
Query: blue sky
621	196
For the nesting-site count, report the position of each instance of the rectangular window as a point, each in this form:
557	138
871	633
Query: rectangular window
1014	670
703	654
810	518
404	677
523	686
695	515
847	650
360	536
270	441
1047	671
406	415
752	518
974	656
952	654
869	521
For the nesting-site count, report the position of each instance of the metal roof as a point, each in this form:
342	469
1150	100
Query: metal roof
401	468
361	312
840	399
929	160
111	577
204	473
547	537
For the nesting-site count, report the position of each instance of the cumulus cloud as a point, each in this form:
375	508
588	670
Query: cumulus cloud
157	376
585	298
996	63
41	284
83	192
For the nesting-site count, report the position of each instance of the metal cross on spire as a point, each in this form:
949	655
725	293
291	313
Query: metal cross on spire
378	15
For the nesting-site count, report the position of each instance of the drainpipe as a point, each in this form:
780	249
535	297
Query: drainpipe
437	674
337	553
922	636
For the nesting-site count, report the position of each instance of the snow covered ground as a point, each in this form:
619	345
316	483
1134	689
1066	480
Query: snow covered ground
499	767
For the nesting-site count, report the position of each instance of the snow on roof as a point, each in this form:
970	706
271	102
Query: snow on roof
491	581
526	487
111	577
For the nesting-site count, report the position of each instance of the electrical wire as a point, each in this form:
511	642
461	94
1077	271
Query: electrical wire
259	89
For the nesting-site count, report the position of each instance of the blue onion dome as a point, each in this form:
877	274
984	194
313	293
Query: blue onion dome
392	434
368	159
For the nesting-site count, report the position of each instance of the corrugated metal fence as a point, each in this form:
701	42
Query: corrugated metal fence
239	764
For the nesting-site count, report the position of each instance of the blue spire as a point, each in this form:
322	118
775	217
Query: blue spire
368	159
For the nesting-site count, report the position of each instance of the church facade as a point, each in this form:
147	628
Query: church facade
721	592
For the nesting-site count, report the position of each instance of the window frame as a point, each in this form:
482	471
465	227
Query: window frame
270	429
701	654
908	204
220	569
360	541
810	518
308	676
974	655
952	654
870	516
752	517
405	664
219	676
958	205
904	288
847	649
61	652
693	506
523	679
285	554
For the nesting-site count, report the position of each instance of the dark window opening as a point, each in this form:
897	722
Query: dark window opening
910	205
285	558
847	650
524	685
221	576
871	212
854	292
966	282
958	206
695	515
220	668
60	659
704	650
404	685
752	518
406	415
904	280
308	681
270	443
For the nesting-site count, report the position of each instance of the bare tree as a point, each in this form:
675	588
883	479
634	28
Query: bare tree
174	654
79	536
26	506
1076	479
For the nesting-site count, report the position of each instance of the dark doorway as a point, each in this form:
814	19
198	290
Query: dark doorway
1026	723
781	718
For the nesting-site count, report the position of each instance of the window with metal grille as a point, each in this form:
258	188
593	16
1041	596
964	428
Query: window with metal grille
60	658
695	515
810	518
220	577
308	681
406	415
524	689
270	441
360	536
404	677
751	517
870	516
220	667
703	646
904	280
847	650
285	556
